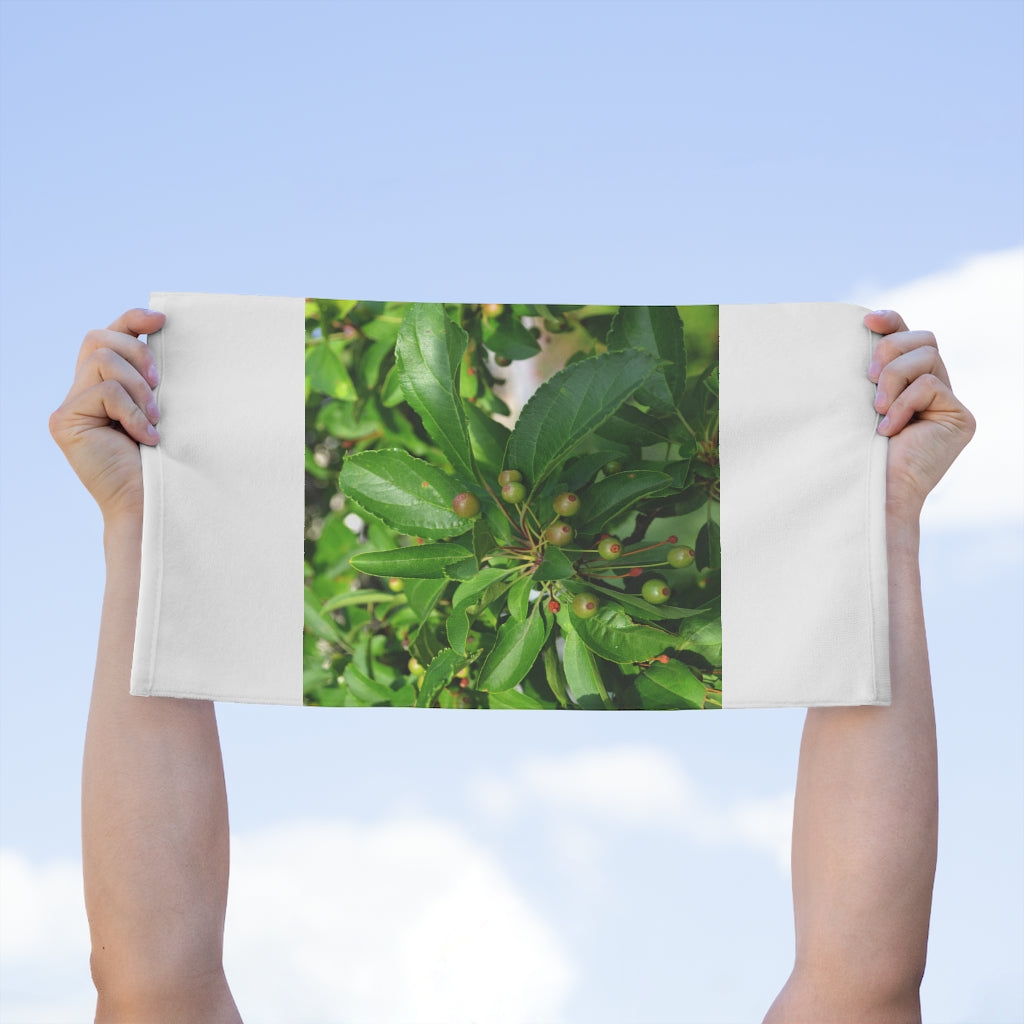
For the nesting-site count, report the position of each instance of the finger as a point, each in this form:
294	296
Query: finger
927	397
106	364
904	370
885	321
125	341
98	406
893	346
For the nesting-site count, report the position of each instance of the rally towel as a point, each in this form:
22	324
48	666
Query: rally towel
513	506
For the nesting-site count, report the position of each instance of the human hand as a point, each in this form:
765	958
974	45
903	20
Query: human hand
109	411
927	425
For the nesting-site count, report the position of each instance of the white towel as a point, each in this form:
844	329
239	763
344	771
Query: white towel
804	613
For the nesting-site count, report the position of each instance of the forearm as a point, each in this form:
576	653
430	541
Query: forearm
866	814
154	809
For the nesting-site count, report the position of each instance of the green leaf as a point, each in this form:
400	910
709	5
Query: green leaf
519	598
555	675
429	353
658	330
612	635
638	607
513	700
571	406
326	372
510	338
439	673
701	633
359	598
317	623
488	439
517	647
609	498
555	566
483	539
670	686
423	595
417	561
368	690
470	598
581	671
708	547
634	428
403	492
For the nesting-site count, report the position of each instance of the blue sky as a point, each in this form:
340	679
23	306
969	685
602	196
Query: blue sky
568	152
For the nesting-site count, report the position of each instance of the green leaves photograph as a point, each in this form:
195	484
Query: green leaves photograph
512	506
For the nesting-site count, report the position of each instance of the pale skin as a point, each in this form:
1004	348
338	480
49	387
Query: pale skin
154	807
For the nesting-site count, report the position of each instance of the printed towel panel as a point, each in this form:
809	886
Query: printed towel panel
514	506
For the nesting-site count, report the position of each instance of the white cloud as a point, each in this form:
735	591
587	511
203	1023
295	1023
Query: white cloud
44	942
406	921
976	312
591	795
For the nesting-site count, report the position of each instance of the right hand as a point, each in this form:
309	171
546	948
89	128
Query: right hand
109	411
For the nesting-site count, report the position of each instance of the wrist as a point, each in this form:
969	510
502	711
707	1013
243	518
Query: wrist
122	535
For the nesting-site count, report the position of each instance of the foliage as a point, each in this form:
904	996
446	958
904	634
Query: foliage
417	595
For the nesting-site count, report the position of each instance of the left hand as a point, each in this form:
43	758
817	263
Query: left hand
927	425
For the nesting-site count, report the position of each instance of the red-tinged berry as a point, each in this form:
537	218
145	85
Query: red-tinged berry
672	540
680	558
585	605
471	370
634	571
554	607
559	534
513	492
567	504
663	658
463	682
656	591
509	476
609	548
395	585
466	505
415	668
502	360
419	540
492	309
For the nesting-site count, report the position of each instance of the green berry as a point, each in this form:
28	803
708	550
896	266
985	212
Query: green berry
513	492
613	467
585	605
559	533
609	548
680	558
566	504
509	476
466	505
502	360
415	668
492	309
656	591
395	585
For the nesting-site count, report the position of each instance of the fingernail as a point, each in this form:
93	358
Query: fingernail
152	312
880	312
884	425
152	411
151	431
152	376
874	369
880	399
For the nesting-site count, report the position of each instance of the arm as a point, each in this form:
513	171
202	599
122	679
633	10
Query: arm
865	823
154	809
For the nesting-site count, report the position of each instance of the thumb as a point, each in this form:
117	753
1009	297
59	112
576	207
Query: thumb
138	321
